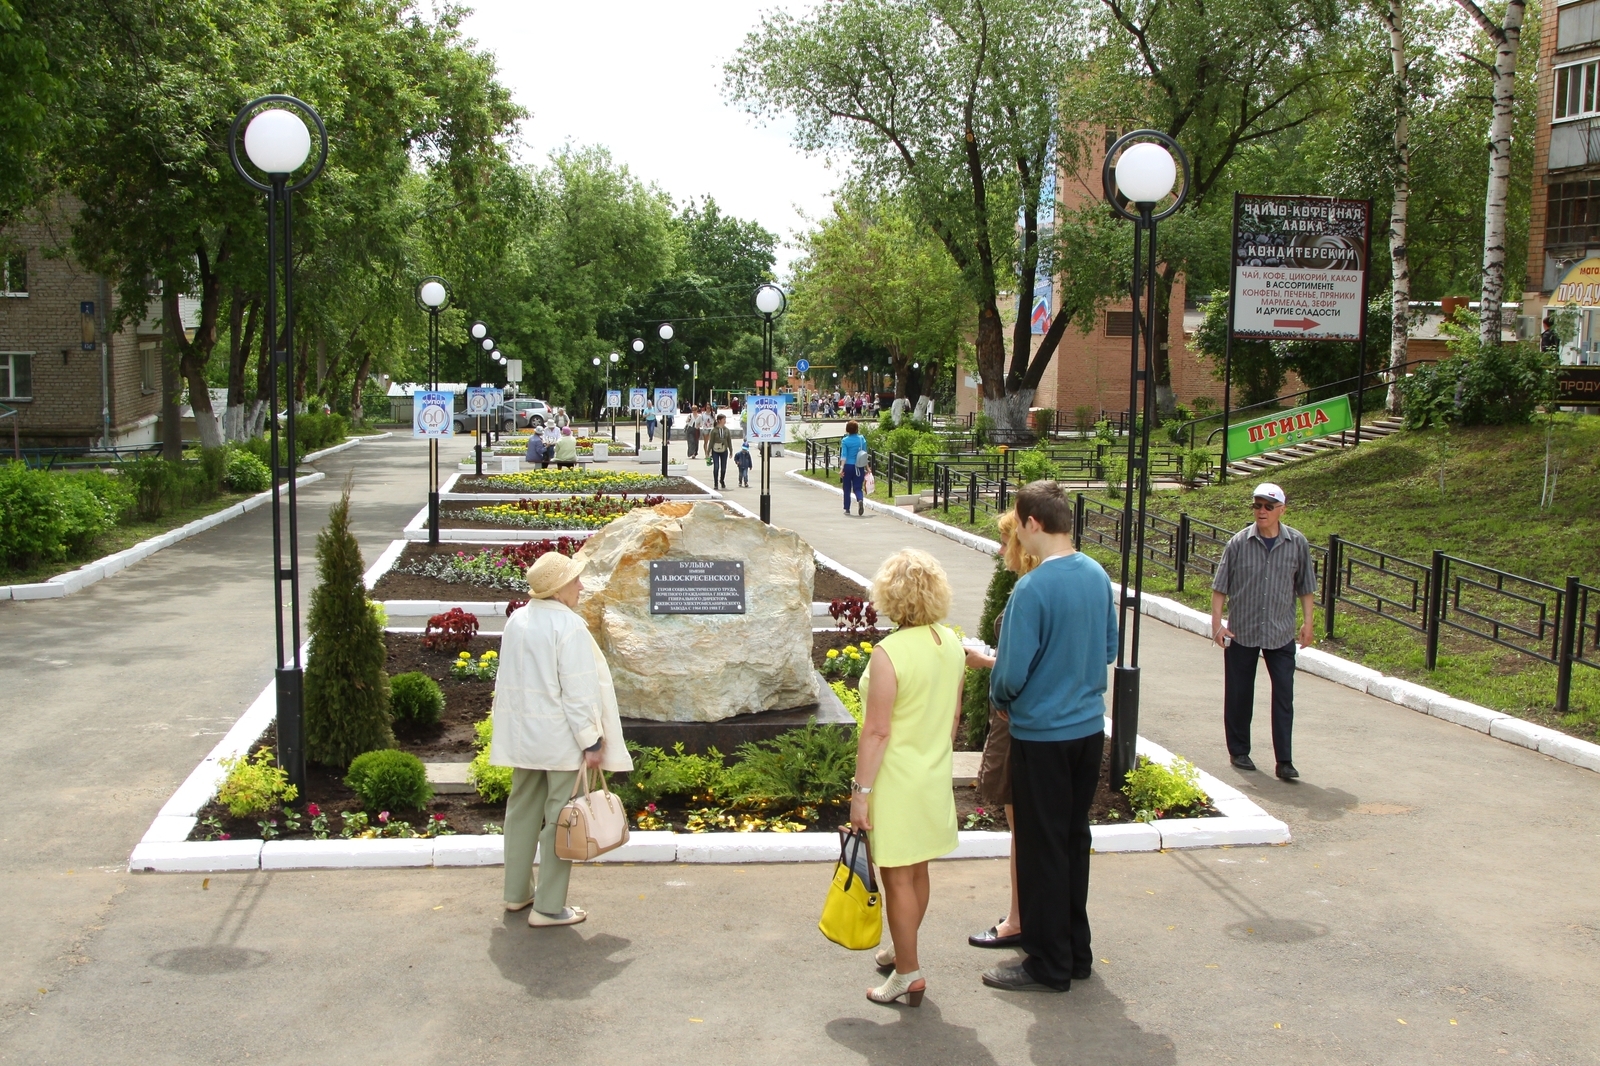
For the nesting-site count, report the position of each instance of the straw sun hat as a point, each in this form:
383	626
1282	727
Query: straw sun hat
551	572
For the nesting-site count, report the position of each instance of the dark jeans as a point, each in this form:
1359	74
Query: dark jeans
1239	696
851	476
693	436
719	469
1052	786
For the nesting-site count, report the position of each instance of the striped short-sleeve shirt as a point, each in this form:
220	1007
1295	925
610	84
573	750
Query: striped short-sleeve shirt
1263	583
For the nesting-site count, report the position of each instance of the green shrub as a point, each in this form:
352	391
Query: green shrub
1497	385
1116	468
975	707
213	468
415	700
157	485
1001	582
658	775
246	473
1044	422
1083	418
261	448
851	698
346	689
253	785
1153	790
1034	464
493	783
111	489
313	432
804	767
389	780
45	517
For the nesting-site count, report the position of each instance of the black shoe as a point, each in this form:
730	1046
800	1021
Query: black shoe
1015	978
1242	762
1080	973
1287	772
991	938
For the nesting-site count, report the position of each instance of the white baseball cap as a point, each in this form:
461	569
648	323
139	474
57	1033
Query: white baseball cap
1268	491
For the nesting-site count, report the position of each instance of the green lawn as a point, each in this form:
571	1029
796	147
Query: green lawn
1386	495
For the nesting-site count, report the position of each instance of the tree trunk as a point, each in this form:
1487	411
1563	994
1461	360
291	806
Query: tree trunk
358	410
171	386
193	357
1508	40
1011	410
1399	254
242	314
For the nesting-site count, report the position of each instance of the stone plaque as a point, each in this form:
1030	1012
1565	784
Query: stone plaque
696	586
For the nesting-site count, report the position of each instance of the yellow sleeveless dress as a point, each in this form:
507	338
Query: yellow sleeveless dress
912	807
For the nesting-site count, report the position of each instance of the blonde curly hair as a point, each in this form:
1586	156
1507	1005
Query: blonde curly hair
911	589
1017	561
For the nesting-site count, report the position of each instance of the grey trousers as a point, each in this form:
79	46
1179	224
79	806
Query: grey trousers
537	797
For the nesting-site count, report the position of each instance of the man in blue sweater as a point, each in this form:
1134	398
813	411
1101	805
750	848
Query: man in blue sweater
1049	675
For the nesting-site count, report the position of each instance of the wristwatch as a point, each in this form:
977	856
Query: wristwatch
857	786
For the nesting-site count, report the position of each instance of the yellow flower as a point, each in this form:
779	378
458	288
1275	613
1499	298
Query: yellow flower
866	647
833	653
464	655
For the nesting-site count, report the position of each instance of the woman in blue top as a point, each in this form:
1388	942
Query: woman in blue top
852	453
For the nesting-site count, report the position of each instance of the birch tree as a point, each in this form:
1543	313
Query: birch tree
1399	253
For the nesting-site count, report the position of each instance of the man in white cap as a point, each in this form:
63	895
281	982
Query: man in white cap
555	711
1264	569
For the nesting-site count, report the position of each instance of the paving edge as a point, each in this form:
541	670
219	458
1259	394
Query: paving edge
107	565
164	848
1498	724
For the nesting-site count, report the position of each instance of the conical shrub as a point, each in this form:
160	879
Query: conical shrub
346	689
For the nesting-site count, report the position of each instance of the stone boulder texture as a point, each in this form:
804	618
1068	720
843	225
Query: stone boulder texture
701	668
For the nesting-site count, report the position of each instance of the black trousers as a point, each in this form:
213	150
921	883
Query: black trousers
719	469
1239	696
1052	786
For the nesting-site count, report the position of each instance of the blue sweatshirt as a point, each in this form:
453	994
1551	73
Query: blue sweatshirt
1060	632
850	449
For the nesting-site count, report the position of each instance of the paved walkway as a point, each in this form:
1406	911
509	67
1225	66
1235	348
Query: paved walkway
1437	904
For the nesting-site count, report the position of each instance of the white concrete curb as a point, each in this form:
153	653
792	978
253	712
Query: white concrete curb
960	536
102	568
349	442
417	529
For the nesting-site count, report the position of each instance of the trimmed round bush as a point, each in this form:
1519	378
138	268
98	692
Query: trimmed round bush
389	780
415	699
246	473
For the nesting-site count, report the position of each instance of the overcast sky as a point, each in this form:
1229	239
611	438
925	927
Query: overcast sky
644	79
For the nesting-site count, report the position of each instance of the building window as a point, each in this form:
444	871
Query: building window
15	279
16	375
1575	90
1573	217
1119	323
149	366
1578	25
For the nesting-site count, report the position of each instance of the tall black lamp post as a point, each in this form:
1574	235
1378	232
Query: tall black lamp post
278	143
479	332
770	303
610	410
664	331
433	296
1145	165
638	353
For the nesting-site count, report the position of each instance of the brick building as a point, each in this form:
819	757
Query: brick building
69	382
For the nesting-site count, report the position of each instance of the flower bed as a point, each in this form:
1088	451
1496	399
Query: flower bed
585	446
575	512
502	568
553	482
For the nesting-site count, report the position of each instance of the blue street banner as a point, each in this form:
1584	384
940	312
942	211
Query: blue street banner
613	399
638	399
666	403
765	421
431	414
483	401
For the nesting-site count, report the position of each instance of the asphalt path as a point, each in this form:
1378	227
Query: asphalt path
1437	904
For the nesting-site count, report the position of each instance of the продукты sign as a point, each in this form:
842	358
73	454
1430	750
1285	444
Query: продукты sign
696	586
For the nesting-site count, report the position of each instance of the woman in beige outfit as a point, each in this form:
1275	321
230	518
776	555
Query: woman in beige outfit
555	711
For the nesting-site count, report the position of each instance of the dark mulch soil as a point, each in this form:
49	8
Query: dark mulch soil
1110	807
829	586
397	586
675	486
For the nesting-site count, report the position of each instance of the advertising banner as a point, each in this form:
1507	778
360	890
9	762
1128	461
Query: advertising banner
613	399
1283	428
666	403
764	423
431	414
638	399
1580	285
1299	267
483	401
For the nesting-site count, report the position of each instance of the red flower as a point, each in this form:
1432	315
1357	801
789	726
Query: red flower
383	817
225	836
312	810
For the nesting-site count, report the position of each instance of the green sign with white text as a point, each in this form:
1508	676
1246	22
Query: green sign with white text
1284	428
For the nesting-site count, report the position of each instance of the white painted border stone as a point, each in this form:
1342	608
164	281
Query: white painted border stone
340	853
211	856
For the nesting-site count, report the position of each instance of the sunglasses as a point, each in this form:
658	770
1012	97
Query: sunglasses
1263	505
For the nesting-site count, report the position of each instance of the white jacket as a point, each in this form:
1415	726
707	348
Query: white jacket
553	696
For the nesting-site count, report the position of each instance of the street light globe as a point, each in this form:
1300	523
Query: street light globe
686	366
496	355
1146	173
665	331
638	344
277	141
615	356
479	331
488	344
596	360
433	294
770	300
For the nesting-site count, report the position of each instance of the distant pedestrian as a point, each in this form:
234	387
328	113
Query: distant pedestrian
555	712
650	423
720	444
911	694
853	465
1264	569
1549	340
566	450
1049	677
535	453
742	460
691	432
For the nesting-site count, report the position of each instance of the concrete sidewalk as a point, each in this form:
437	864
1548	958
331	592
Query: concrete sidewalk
1437	904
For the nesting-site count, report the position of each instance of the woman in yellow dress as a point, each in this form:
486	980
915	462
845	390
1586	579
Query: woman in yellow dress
902	796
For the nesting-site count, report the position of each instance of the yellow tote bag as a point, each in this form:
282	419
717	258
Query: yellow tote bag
852	916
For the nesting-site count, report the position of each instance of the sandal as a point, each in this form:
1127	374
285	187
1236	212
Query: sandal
884	958
910	985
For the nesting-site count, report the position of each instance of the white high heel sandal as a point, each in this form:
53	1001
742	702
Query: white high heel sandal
884	959
910	985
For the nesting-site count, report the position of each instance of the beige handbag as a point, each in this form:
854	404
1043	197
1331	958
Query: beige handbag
591	824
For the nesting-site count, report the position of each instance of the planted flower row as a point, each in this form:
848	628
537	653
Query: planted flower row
584	512
553	481
504	567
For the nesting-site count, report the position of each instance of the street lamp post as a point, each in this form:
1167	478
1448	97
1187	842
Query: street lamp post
611	411
665	333
770	303
1146	164
596	362
278	143
638	352
433	296
478	331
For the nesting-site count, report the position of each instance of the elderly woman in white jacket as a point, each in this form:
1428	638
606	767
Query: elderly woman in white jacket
555	711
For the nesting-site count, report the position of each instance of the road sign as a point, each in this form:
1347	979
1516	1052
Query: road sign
638	399
613	399
803	365
431	414
666	403
481	401
1283	428
514	370
1299	267
765	422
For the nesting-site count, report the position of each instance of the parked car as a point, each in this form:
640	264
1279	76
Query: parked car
511	415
